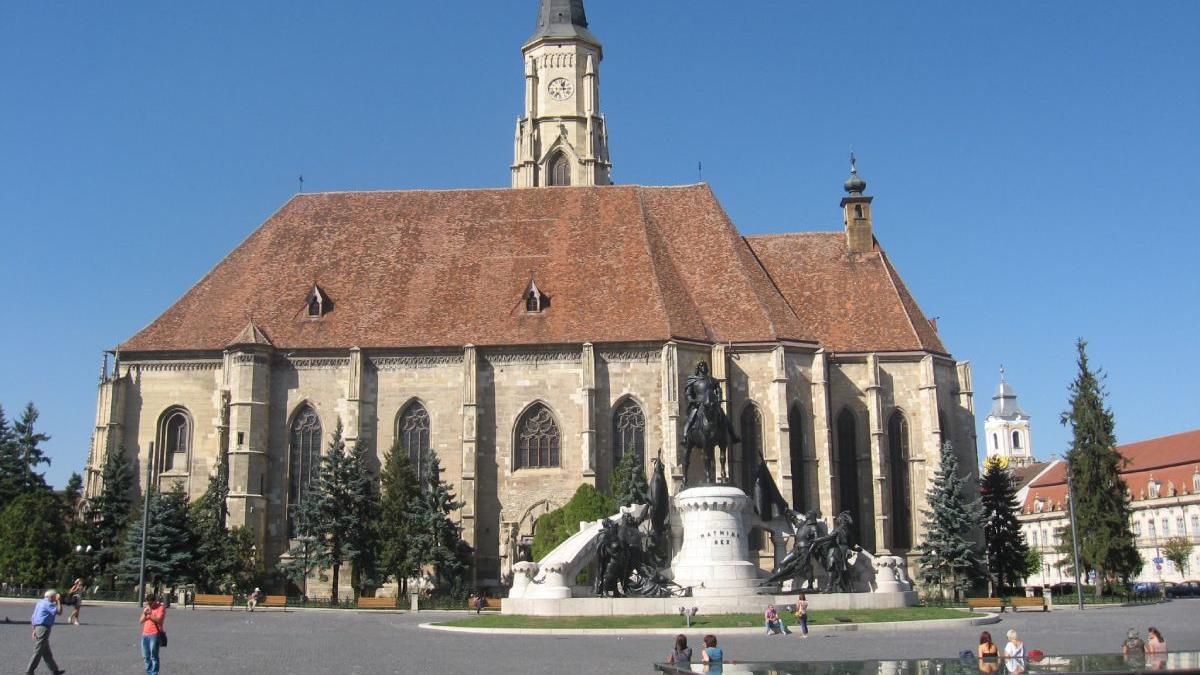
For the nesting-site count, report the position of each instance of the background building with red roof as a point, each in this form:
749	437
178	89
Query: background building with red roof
1163	480
532	336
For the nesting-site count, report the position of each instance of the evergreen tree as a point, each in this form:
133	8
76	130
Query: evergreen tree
224	558
32	544
169	545
434	539
327	517
629	484
587	505
1004	540
398	489
109	512
362	540
11	474
73	491
1101	500
950	557
28	441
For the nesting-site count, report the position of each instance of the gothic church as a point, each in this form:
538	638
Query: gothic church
532	336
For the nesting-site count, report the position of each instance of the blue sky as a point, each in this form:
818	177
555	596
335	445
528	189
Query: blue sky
1034	164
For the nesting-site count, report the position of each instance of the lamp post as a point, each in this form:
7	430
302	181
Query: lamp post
145	524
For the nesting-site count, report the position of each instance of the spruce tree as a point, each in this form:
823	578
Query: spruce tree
434	538
109	512
398	487
950	559
11	474
1101	498
224	558
1007	551
32	542
169	545
629	481
29	449
362	540
327	517
73	491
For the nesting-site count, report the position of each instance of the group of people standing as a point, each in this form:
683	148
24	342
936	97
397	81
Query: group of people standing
50	607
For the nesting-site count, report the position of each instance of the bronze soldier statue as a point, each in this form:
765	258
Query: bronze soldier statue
707	424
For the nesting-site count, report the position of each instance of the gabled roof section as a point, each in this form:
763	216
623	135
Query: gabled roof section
251	335
852	302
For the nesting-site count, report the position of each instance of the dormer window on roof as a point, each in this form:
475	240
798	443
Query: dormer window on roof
536	301
318	304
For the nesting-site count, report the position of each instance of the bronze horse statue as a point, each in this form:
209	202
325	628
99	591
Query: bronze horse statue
707	426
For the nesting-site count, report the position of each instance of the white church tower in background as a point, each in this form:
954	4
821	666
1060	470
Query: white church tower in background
1006	428
561	139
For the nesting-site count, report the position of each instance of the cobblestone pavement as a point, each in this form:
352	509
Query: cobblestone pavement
216	642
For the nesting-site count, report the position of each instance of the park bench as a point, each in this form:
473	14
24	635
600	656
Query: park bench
985	603
377	603
488	603
276	601
211	600
1036	601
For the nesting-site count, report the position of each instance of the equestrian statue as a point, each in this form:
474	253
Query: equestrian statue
707	425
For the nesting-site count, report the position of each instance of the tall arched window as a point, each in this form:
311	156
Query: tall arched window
629	432
995	442
847	469
898	456
796	452
304	452
752	445
560	170
174	440
1016	440
538	439
412	434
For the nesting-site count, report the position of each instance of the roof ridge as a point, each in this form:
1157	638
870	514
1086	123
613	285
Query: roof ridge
897	284
384	191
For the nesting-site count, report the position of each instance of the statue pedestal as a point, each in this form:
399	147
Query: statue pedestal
714	559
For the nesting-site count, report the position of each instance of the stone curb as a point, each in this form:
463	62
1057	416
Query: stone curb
813	630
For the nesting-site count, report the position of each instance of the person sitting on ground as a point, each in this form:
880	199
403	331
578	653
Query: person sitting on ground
986	646
682	653
1155	644
253	599
480	602
1015	649
712	653
1133	645
773	622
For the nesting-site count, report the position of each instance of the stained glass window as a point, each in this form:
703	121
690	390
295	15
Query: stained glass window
629	432
538	439
304	459
412	433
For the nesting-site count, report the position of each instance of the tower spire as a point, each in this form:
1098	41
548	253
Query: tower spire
561	138
856	211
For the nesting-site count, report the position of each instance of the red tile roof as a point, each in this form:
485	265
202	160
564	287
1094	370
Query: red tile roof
1168	460
620	264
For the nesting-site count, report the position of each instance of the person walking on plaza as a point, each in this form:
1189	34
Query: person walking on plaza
801	615
1155	644
44	613
773	622
75	599
153	635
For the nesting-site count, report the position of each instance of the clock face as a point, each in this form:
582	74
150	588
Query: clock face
561	90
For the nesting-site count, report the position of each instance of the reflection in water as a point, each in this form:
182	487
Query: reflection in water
1182	662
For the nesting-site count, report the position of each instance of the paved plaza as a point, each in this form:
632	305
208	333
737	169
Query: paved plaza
217	641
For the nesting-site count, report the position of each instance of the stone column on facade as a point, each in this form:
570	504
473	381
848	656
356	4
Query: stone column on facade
354	410
821	467
966	405
671	450
249	407
107	434
782	471
587	395
720	371
873	463
470	421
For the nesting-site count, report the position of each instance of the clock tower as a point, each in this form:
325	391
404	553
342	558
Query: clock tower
561	139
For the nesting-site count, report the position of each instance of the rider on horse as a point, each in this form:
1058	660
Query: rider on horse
703	388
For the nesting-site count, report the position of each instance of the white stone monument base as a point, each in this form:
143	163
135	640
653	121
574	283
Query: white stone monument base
714	559
732	604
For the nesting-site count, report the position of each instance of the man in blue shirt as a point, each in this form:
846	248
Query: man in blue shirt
44	613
